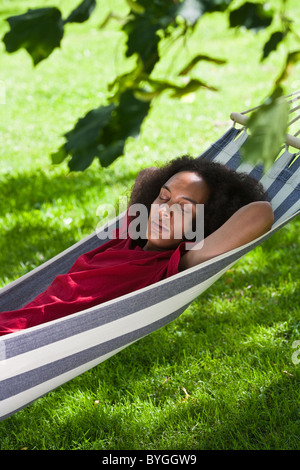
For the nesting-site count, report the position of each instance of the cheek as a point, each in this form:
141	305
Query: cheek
177	226
184	220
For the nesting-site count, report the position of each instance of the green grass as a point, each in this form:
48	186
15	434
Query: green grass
222	376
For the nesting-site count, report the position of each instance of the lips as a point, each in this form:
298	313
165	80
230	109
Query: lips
159	227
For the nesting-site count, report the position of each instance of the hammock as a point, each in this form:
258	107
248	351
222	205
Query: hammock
39	359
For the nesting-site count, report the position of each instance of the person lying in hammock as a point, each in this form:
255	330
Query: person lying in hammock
236	211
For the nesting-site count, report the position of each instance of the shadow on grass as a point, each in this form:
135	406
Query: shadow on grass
28	204
28	192
24	248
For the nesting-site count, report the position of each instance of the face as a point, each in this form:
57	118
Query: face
174	210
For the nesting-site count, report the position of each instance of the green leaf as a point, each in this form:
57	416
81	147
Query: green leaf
130	115
135	6
59	156
251	16
143	26
267	126
38	31
82	12
109	153
82	141
292	59
272	43
125	122
192	86
82	159
143	40
87	129
199	58
159	86
102	133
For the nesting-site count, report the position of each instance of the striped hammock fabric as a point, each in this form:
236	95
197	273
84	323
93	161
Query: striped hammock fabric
37	360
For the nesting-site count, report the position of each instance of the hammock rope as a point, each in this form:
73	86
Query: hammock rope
291	140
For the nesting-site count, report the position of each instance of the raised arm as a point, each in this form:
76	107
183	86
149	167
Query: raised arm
247	224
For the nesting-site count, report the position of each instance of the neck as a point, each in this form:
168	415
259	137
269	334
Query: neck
149	247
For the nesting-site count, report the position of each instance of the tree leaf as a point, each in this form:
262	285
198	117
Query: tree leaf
82	141
125	122
87	129
272	43
159	86
199	58
82	159
82	12
130	115
251	16
142	39
38	31
59	156
107	154
267	127
190	87
102	133
135	6
292	59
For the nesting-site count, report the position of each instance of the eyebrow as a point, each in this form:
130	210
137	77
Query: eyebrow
183	197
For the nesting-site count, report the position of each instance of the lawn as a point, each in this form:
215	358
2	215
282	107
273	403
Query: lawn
222	376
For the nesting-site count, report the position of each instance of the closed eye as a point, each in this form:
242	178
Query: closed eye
187	207
163	195
164	187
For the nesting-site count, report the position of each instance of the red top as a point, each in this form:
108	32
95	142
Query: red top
116	268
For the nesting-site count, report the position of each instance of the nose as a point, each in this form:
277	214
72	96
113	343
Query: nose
164	210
